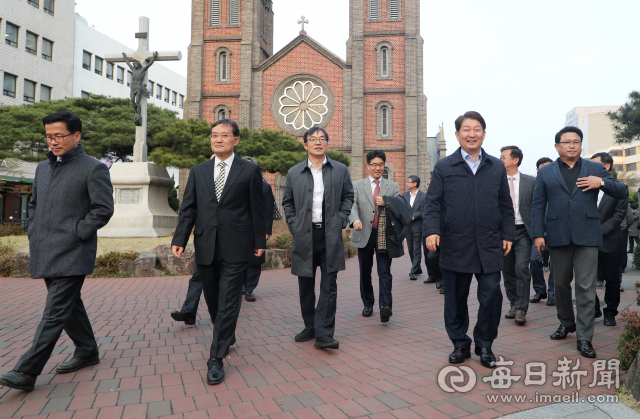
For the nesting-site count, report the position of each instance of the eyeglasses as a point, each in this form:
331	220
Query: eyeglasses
222	137
377	165
315	140
570	143
58	138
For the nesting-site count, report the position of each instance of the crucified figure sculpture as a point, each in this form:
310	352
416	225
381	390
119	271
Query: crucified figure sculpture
138	85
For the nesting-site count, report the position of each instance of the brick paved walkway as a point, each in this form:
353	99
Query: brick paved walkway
154	367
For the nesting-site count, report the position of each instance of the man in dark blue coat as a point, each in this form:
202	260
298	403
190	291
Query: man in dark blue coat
469	214
567	192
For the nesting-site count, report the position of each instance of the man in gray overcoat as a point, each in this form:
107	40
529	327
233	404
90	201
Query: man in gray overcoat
72	199
317	201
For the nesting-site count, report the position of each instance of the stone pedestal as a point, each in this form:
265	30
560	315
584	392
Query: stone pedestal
141	207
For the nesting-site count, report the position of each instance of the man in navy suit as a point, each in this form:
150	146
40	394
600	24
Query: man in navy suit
567	190
415	200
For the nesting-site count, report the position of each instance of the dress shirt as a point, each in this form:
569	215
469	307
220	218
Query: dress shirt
600	195
318	190
570	175
227	167
412	198
372	182
516	192
473	165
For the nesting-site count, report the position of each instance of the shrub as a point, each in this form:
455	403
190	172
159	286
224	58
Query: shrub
630	338
349	251
6	260
110	262
11	229
636	257
284	241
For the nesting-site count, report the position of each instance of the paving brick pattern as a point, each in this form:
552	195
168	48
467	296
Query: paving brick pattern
154	367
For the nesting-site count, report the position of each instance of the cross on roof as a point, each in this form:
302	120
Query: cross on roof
303	21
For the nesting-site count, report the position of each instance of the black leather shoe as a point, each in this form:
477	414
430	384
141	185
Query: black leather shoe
385	313
598	313
459	355
325	342
562	332
439	284
537	297
586	349
18	380
183	316
305	335
249	296
609	319
551	301
367	312
487	358
429	280
442	289
74	364
413	277
215	375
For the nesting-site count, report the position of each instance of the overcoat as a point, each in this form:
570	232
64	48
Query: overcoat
72	199
297	203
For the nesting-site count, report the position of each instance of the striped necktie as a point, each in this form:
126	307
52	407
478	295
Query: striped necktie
219	183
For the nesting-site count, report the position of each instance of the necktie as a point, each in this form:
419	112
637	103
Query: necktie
220	181
376	193
512	192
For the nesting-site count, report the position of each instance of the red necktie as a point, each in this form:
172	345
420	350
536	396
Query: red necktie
376	192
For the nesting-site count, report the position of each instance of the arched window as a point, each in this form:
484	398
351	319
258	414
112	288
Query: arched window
221	111
385	174
222	62
384	62
384	54
384	111
222	114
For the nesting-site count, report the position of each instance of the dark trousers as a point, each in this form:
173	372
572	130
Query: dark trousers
222	287
383	261
433	264
537	275
456	310
609	266
251	278
633	240
623	258
321	317
425	251
516	273
63	310
194	292
414	246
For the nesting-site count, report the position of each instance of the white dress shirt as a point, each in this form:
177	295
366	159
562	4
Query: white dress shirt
600	195
318	191
516	191
372	182
412	197
473	165
227	167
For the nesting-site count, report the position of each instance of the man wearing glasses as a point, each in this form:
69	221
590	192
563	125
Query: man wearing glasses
365	216
317	201
72	199
567	191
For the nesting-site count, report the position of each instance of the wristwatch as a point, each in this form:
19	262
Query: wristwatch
602	183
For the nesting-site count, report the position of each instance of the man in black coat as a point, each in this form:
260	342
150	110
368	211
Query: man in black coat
254	269
415	200
612	213
223	199
469	214
72	199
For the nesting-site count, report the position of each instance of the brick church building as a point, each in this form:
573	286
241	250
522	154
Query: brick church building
373	100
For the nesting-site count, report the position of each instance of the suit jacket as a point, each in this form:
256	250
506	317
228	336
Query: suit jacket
364	208
269	206
71	200
297	202
525	195
471	213
236	222
416	209
398	224
572	215
612	213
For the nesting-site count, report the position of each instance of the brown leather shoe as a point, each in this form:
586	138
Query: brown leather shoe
520	317
511	314
18	380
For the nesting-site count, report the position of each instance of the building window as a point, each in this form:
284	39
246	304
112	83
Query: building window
45	93
630	167
120	75
221	112
394	12
618	167
374	9
86	60
630	152
616	153
174	98
11	35
385	120
29	94
85	95
384	115
166	94
47	49
385	174
97	66
32	43
49	6
129	78
9	85
223	63
181	102
385	60
234	12
215	12
158	91
34	3
150	87
110	71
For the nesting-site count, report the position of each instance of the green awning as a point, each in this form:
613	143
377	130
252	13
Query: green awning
15	179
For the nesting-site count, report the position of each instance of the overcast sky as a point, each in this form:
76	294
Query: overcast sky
522	64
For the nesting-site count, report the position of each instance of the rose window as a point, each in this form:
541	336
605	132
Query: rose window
303	105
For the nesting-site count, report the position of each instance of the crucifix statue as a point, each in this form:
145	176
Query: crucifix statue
303	21
139	62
